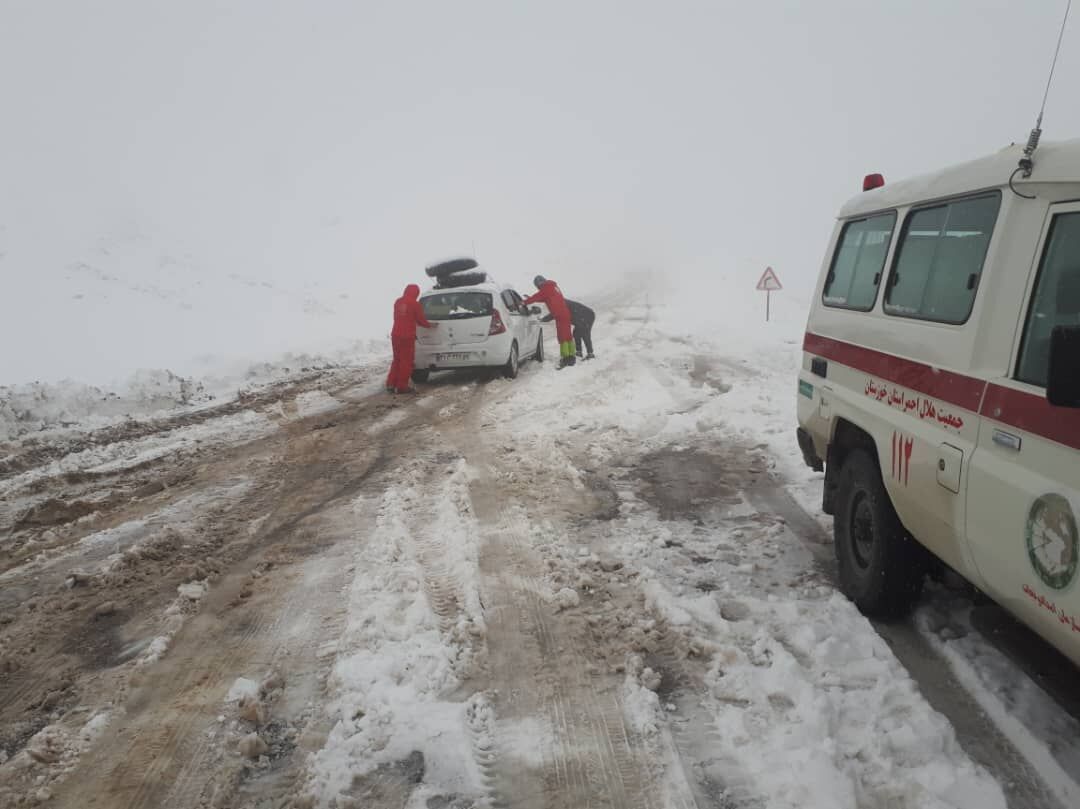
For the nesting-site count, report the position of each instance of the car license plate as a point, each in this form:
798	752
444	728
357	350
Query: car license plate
457	356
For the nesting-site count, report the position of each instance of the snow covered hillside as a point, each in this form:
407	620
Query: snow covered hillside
96	312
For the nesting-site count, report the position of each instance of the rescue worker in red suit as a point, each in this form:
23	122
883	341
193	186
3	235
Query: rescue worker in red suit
408	314
549	294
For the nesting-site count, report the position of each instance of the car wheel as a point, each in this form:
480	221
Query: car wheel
421	375
881	565
539	355
510	370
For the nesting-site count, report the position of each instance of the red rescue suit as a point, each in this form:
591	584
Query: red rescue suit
550	295
408	314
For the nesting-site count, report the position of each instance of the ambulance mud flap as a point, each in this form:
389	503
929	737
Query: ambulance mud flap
809	453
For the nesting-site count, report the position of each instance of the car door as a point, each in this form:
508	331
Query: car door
1024	487
518	320
531	324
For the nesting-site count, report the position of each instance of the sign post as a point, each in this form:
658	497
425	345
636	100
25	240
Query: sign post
767	284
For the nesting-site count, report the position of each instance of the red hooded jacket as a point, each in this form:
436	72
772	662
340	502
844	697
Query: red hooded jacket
408	313
550	294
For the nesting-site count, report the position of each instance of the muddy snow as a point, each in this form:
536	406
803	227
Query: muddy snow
604	586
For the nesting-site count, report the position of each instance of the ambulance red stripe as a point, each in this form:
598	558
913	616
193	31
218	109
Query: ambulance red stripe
1012	408
956	389
1033	414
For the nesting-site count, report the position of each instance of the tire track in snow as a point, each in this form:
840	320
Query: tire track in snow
590	757
166	755
313	611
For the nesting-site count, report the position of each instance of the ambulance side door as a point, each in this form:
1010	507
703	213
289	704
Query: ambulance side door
1024	485
930	294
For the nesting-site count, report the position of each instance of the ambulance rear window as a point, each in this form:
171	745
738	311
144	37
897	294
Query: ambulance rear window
939	260
856	268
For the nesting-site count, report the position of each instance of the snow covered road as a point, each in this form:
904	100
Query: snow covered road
597	587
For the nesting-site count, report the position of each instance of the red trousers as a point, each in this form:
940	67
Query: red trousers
401	369
564	331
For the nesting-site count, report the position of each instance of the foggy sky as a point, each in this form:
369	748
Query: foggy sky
351	143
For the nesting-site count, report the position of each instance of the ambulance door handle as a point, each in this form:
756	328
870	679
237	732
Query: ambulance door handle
1007	440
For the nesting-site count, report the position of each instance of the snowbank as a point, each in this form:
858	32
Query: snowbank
148	394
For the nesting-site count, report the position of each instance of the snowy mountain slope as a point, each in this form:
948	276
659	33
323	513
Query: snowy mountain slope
101	312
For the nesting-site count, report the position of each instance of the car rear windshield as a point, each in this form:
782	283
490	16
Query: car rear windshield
457	305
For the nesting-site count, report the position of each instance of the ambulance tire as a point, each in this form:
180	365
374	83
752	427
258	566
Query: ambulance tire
538	356
881	565
421	375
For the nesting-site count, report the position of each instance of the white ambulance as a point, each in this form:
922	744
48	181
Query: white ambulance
940	387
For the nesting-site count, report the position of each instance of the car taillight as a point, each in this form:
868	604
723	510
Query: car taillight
497	325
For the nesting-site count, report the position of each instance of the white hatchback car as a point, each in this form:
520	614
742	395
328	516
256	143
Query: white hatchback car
483	325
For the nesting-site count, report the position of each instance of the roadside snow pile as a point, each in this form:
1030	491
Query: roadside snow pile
797	675
36	407
1047	736
414	620
809	683
246	425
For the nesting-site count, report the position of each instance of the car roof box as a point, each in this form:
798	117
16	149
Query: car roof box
451	266
461	279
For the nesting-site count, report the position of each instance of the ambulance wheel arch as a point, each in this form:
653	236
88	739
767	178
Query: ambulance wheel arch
846	438
906	457
881	567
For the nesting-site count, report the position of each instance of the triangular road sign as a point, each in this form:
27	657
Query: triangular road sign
769	282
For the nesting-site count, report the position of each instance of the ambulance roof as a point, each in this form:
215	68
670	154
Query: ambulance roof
1055	162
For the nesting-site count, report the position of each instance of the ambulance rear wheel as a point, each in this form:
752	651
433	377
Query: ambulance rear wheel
421	375
539	355
881	567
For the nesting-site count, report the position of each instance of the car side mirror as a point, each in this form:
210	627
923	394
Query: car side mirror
534	310
1063	381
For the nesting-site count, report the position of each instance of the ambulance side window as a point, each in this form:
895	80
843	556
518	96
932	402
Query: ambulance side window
939	260
857	265
1056	300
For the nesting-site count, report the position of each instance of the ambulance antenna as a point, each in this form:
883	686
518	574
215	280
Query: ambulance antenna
1027	162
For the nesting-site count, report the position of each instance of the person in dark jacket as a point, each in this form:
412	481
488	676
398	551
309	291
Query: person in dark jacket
581	319
408	314
548	293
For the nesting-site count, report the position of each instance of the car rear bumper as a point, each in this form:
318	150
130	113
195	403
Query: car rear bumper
459	358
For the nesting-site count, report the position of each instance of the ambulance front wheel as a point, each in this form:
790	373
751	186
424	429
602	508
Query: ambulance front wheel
421	375
881	566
